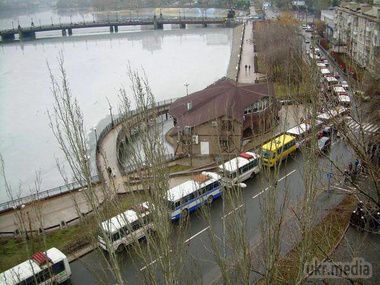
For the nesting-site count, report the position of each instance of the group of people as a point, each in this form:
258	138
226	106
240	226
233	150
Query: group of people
247	66
353	170
364	219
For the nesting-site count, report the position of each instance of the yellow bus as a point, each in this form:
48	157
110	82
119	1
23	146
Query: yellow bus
278	149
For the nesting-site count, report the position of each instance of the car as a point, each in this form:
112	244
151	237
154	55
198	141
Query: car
344	84
323	144
336	75
307	41
325	61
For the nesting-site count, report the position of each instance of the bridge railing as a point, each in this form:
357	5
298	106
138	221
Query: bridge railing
75	185
45	194
142	20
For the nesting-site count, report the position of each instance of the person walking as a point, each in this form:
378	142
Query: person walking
245	68
249	68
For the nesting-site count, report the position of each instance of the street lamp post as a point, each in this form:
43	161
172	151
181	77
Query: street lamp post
96	139
112	124
187	88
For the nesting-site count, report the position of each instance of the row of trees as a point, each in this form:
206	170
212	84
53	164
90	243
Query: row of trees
123	4
282	59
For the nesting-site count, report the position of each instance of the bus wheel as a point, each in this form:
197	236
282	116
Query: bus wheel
210	199
184	214
120	248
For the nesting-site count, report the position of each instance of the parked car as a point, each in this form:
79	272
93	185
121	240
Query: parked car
336	75
325	61
344	84
323	144
307	41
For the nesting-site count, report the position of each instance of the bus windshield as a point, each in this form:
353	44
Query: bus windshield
267	154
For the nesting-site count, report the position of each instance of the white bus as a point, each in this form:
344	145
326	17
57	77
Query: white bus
50	267
241	168
190	195
125	228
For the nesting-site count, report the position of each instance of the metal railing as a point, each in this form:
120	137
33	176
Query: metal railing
45	194
240	53
95	179
116	22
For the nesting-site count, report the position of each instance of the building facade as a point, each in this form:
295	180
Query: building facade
216	120
328	16
357	32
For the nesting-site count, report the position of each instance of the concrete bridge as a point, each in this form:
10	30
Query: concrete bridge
67	29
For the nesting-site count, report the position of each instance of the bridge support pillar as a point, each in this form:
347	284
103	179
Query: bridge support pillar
27	35
116	28
7	37
157	25
64	33
182	26
70	31
111	29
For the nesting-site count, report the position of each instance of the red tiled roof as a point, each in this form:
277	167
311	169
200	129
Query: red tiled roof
222	98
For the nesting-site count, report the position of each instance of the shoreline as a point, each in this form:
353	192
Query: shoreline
232	69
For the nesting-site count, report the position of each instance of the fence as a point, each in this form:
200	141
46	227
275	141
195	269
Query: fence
45	194
76	185
240	52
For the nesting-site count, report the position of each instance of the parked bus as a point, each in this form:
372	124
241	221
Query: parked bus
190	195
49	267
301	132
278	149
125	228
241	168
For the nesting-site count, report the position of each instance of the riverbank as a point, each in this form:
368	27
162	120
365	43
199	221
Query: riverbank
232	70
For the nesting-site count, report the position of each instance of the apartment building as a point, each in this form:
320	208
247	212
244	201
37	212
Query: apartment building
357	32
328	17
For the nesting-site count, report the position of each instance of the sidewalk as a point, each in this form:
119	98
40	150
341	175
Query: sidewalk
248	75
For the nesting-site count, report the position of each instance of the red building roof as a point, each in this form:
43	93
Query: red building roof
223	98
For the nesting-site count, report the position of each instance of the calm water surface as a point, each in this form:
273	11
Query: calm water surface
96	65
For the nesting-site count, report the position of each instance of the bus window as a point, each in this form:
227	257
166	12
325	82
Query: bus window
116	236
267	154
58	267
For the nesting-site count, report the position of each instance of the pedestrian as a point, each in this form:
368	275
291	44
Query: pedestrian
350	167
249	68
245	67
357	162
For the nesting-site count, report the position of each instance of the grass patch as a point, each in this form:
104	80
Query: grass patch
16	250
285	92
324	237
178	167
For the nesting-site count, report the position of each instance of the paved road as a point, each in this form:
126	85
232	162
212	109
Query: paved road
290	178
247	72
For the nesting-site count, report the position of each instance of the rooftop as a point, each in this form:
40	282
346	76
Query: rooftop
237	162
190	186
277	142
223	98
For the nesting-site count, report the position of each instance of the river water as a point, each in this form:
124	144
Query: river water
96	63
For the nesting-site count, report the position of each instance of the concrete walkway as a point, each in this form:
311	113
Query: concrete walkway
246	74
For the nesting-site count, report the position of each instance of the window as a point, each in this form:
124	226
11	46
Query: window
29	281
223	143
267	154
227	125
58	267
136	225
116	236
43	275
191	196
